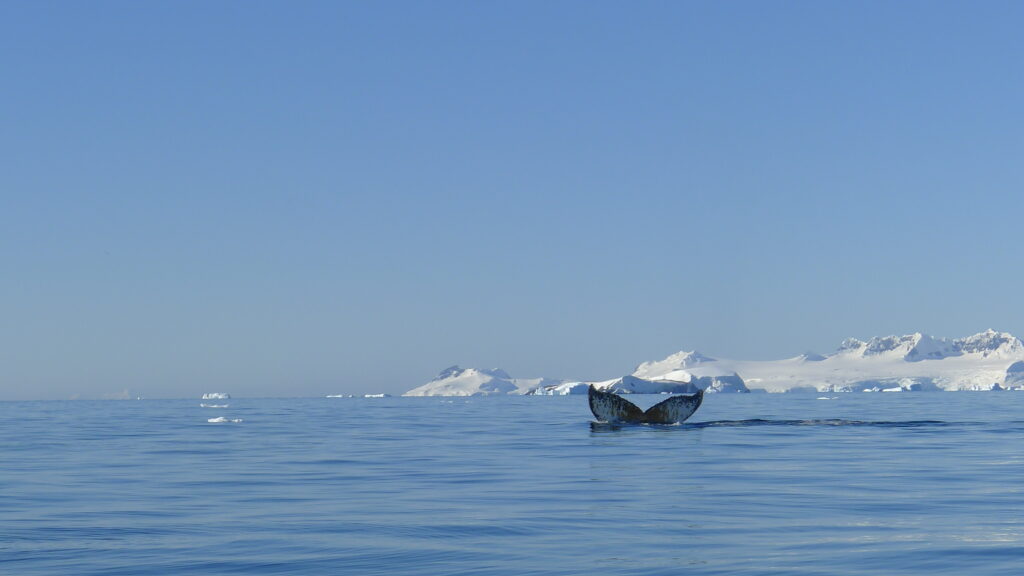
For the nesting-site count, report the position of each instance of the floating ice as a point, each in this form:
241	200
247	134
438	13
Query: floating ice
223	419
204	405
216	396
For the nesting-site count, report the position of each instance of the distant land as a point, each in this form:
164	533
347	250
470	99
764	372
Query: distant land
917	362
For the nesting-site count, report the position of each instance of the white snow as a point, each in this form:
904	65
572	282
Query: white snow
634	385
455	381
563	389
700	371
677	361
988	360
913	362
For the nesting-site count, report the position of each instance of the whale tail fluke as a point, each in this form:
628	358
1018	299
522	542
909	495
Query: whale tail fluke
608	407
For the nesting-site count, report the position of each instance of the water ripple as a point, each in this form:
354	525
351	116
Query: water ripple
514	486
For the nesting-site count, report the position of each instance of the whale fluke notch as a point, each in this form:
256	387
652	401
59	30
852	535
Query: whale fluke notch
608	407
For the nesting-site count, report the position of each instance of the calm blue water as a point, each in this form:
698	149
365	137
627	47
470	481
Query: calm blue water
755	484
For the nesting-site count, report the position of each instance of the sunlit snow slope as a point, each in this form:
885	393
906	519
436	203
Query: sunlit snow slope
989	360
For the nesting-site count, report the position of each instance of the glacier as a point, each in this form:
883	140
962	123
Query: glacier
989	360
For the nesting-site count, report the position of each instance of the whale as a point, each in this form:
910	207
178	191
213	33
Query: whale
612	408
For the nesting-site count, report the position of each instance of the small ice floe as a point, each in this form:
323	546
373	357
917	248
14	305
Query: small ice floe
205	405
216	396
376	395
223	420
340	396
828	397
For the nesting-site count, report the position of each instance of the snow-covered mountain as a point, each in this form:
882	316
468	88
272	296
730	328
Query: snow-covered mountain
455	381
918	347
694	368
910	362
677	361
623	385
988	360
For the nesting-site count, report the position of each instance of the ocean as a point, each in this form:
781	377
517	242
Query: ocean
907	483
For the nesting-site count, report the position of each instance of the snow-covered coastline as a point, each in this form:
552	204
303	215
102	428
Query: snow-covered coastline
988	360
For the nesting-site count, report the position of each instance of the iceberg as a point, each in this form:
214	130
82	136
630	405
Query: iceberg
563	389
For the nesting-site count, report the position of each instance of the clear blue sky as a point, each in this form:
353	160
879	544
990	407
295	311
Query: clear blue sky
300	198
